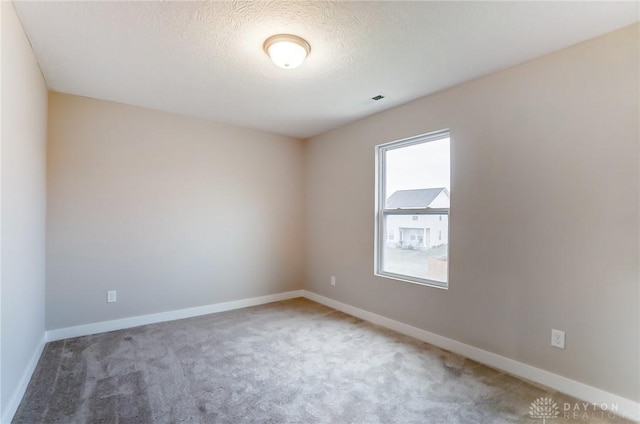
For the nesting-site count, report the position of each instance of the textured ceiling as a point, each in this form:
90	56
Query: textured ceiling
205	59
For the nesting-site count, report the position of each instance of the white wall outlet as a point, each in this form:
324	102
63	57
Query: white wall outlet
333	280
111	296
557	339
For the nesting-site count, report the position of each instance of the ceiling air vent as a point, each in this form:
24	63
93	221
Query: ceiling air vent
378	97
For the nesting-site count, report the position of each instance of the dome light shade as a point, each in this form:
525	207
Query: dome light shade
287	51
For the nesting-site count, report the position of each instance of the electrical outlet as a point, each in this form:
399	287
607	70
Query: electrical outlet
557	339
333	280
111	296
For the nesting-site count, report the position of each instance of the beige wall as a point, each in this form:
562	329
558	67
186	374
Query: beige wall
171	212
544	213
22	194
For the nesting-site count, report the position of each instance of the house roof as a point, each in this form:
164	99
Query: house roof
418	198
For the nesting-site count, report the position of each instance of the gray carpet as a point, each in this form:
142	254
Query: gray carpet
286	362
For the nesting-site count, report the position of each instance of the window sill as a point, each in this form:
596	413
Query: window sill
428	283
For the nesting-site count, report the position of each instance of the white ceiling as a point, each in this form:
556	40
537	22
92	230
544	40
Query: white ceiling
205	59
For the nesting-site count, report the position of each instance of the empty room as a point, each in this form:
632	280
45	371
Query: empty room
319	212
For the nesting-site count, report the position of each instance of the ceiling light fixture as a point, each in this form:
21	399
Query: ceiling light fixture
286	50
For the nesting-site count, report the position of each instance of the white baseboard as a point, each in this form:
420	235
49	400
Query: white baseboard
626	408
12	406
119	324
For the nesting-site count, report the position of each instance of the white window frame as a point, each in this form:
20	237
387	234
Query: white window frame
381	212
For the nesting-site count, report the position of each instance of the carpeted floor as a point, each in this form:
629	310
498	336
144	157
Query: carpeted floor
287	362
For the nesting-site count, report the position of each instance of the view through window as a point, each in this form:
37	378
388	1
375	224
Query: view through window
413	209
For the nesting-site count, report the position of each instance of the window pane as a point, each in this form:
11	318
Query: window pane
418	248
415	175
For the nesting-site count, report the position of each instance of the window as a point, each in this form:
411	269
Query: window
413	179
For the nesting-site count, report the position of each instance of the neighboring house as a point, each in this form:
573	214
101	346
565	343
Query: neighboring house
418	231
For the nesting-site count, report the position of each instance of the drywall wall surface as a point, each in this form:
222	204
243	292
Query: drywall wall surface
23	204
544	213
171	212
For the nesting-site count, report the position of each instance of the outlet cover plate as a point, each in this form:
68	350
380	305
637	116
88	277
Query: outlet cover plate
557	338
111	296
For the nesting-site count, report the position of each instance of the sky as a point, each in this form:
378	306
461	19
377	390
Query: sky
425	165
